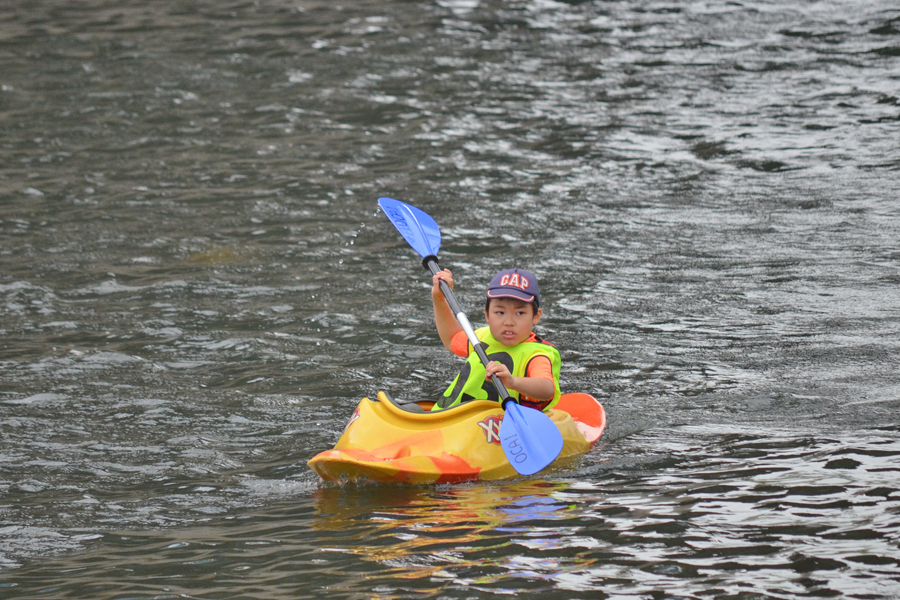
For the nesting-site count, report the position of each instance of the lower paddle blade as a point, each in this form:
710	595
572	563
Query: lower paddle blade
529	439
416	226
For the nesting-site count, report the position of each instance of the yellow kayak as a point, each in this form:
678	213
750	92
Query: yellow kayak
387	440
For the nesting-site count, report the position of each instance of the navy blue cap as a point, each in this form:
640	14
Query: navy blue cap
515	283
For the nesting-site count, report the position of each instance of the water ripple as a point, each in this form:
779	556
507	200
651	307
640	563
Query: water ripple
196	288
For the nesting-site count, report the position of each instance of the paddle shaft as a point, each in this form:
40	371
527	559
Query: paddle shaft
430	263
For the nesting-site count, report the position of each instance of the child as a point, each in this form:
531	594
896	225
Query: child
527	365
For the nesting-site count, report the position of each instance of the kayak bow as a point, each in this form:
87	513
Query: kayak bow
387	440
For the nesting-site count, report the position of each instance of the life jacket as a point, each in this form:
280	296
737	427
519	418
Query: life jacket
470	383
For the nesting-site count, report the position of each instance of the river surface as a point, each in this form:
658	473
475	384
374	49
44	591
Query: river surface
197	287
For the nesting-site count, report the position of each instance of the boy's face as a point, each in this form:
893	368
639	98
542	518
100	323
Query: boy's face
510	320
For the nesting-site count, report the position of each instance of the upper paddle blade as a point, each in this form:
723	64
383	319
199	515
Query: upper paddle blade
416	226
529	438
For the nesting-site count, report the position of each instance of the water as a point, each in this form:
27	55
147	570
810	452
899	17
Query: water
196	289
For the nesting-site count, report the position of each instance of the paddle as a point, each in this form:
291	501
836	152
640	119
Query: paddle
528	437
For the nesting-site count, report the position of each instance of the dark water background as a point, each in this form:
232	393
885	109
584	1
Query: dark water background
196	289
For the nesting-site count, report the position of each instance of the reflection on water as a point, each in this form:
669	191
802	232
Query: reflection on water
196	289
692	511
443	533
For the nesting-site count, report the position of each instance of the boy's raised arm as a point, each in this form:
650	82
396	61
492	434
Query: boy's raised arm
444	319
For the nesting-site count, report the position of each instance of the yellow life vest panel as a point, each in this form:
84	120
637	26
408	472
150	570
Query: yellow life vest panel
470	383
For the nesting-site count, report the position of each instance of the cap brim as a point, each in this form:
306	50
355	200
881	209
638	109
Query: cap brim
510	294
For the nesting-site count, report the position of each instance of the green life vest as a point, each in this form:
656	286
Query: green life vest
470	383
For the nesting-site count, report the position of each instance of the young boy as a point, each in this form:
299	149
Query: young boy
527	365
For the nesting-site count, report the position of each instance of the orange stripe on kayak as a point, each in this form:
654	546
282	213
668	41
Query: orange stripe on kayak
448	468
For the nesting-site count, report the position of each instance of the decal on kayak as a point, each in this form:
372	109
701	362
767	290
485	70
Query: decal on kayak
353	419
491	427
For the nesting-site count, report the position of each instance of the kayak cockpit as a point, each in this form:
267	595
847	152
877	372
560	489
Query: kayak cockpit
412	406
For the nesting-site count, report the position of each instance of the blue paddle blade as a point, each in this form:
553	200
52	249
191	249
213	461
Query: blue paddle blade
529	438
416	226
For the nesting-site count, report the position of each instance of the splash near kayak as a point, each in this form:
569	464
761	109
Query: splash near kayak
392	441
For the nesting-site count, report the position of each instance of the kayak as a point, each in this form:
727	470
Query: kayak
392	441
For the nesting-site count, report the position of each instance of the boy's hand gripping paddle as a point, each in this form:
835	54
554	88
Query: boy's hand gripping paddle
528	437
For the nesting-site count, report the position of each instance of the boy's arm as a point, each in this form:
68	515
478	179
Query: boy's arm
537	388
444	319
